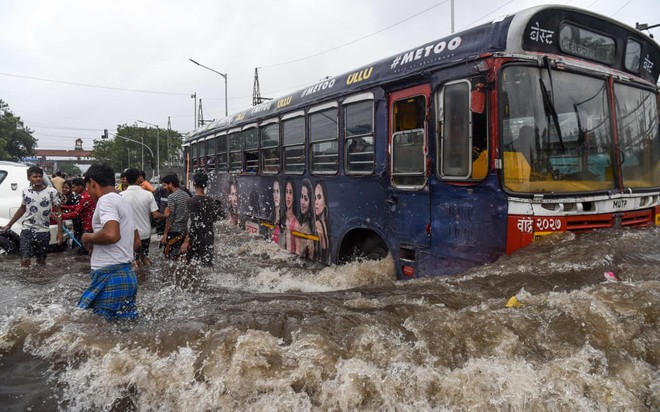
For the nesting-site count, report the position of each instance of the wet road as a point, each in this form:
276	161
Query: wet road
265	330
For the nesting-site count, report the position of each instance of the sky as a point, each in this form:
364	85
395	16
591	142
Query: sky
71	68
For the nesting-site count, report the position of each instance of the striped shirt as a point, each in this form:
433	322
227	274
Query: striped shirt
178	204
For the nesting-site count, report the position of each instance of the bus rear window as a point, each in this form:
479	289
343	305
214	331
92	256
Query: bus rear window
584	43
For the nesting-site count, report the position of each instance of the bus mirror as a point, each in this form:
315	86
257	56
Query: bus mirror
478	99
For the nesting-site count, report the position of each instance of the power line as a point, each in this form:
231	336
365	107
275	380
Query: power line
58	136
354	41
621	8
486	15
46	126
94	86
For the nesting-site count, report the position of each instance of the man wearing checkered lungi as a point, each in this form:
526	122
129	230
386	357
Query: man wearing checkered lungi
114	285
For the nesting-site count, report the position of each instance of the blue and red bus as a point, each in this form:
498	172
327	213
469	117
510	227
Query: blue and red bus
454	153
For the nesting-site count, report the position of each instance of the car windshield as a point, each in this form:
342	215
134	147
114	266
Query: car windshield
557	133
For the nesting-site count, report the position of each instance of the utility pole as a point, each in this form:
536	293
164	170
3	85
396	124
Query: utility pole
194	97
167	140
200	121
452	16
256	93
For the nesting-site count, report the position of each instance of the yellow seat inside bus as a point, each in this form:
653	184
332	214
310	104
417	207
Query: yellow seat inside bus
480	165
518	177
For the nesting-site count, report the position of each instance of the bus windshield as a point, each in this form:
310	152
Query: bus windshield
557	132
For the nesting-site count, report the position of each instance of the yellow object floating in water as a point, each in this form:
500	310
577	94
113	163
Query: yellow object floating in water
513	303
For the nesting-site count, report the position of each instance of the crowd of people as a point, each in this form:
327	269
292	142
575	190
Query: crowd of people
114	225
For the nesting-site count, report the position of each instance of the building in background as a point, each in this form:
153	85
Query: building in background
52	160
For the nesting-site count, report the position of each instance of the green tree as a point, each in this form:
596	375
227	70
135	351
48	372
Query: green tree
70	169
16	141
124	148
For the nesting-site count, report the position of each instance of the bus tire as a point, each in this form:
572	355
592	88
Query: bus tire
373	248
362	244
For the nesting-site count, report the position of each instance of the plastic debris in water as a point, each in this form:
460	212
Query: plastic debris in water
513	303
610	277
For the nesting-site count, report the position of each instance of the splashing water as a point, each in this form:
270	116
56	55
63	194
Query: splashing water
263	329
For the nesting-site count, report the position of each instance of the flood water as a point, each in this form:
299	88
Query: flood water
264	330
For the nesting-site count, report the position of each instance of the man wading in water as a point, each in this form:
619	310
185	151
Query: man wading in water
114	285
38	200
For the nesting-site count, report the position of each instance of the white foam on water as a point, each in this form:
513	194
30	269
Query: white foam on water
430	344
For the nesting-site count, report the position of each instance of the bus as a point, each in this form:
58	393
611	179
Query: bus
454	153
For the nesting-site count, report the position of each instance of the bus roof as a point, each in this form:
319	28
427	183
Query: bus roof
551	29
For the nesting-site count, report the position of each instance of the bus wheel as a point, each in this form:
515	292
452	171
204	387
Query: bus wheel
374	248
362	244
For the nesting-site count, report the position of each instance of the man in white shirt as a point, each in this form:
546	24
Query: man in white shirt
144	206
114	285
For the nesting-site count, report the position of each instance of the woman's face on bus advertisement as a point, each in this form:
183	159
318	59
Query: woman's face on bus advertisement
233	196
288	196
276	194
319	201
304	200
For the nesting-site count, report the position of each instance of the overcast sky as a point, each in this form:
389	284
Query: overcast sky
73	68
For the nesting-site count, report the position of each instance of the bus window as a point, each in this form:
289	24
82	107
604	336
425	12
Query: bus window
293	140
221	157
587	44
323	141
408	165
638	136
201	154
359	134
193	156
456	133
186	160
210	153
251	137
633	55
270	148
235	152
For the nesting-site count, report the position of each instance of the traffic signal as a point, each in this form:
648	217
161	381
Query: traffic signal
105	134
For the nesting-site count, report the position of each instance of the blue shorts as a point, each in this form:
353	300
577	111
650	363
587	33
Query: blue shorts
112	292
34	243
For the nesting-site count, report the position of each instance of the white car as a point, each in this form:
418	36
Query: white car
13	179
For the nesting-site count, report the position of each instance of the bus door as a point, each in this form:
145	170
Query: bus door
408	195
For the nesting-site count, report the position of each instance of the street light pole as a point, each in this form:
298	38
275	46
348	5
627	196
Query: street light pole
224	76
157	145
135	141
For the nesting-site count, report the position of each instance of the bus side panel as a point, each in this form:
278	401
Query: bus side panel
356	203
468	226
351	203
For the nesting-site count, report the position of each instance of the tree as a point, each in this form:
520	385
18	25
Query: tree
70	169
16	141
125	150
